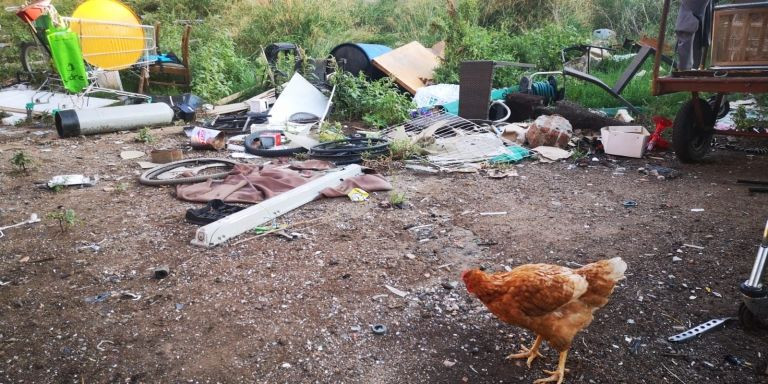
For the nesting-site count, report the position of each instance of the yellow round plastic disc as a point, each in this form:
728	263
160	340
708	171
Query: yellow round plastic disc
110	33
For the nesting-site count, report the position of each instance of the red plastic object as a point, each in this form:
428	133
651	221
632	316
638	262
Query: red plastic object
31	12
656	141
270	140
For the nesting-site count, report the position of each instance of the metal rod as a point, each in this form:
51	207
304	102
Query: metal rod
758	267
660	44
765	235
742	5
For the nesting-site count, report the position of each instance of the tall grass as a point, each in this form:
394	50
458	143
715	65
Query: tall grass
637	92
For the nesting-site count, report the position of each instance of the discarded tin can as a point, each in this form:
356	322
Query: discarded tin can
164	156
204	138
162	272
358	195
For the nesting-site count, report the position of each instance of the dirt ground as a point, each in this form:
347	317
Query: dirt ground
278	311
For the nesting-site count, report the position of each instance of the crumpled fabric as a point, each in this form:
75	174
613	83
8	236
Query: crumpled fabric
251	184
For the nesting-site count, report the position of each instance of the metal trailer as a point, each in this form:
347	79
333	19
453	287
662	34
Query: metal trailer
739	64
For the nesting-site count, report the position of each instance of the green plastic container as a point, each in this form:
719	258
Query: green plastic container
68	58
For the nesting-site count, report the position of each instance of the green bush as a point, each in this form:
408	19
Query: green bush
467	40
542	46
218	69
378	103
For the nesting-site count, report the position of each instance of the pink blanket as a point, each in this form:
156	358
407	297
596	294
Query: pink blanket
248	183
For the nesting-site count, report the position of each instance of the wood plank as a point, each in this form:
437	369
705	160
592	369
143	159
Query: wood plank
411	65
666	85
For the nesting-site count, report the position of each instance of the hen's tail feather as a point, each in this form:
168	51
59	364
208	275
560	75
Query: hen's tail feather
602	277
617	266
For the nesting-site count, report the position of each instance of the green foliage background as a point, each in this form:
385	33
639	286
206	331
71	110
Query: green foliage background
227	36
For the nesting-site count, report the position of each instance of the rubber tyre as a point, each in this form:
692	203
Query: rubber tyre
28	49
690	141
338	147
748	320
250	148
147	178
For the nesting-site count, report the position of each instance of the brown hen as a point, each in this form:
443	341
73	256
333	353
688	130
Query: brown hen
552	301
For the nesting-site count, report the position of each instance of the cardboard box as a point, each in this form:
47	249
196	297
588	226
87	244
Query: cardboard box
627	141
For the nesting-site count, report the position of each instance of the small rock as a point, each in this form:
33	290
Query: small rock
285	365
676	259
630	321
410	256
130	155
449	285
449	363
734	360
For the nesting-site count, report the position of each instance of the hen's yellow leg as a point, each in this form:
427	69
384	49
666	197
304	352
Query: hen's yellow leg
557	375
530	354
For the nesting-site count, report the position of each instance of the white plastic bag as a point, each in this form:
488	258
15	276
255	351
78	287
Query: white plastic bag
439	94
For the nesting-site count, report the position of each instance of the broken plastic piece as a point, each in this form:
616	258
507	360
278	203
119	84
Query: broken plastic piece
72	180
358	195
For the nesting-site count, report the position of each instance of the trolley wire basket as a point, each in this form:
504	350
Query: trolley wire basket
113	46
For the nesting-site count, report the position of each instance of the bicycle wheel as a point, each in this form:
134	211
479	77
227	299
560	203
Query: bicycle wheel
34	58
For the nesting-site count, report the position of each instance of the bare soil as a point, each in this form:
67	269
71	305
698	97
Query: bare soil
279	311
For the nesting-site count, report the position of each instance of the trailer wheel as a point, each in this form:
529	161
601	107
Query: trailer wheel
690	139
748	320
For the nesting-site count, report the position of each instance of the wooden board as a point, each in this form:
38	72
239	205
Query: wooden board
411	65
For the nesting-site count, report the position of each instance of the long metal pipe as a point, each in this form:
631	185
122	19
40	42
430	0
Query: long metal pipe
762	255
660	46
757	268
71	123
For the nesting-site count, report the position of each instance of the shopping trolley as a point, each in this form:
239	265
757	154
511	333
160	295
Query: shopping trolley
105	46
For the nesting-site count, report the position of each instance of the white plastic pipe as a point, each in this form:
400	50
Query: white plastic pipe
71	123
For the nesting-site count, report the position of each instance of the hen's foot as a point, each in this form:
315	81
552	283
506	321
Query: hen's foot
557	375
530	354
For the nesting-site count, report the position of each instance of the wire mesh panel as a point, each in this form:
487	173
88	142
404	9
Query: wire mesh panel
114	46
437	124
449	141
